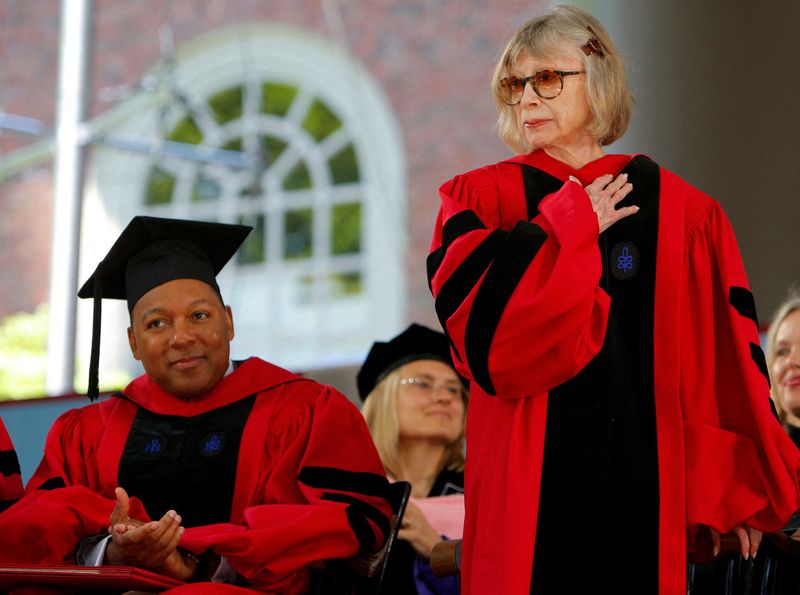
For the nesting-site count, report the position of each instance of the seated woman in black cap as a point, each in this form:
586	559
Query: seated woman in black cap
415	405
201	468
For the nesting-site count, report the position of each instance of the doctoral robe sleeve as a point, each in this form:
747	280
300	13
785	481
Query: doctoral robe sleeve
10	478
70	451
741	465
323	497
63	501
522	307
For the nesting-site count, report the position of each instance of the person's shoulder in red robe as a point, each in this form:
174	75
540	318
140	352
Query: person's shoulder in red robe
309	484
10	477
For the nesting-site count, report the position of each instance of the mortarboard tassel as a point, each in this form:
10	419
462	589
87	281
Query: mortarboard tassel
93	390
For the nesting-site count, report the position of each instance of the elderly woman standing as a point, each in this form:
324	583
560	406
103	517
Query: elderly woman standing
414	406
598	305
783	361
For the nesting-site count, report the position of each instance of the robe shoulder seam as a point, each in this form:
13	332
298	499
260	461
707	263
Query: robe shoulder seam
698	206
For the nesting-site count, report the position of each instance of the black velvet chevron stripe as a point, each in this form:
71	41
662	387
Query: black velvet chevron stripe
359	482
538	184
358	513
456	289
774	410
52	484
5	504
453	347
362	530
758	357
456	226
744	303
9	463
459	224
511	262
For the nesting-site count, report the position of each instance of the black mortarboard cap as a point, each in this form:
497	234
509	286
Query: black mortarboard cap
151	251
414	343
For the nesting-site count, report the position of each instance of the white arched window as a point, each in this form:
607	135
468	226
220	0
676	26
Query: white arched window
321	275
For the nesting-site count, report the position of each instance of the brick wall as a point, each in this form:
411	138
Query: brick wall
433	59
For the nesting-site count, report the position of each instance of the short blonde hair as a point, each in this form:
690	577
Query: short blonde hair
380	413
788	306
610	98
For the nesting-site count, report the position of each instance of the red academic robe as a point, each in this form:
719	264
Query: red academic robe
10	478
524	291
309	484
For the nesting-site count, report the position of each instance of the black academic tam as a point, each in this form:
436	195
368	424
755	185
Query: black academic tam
152	251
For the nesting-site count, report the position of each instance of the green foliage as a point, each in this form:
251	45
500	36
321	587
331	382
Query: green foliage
23	354
345	284
320	120
346	221
344	166
23	358
297	233
277	98
298	178
159	187
235	144
227	105
271	147
186	131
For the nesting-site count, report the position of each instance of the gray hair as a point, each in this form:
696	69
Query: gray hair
610	98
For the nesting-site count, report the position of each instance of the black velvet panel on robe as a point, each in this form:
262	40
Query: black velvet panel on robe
598	512
186	464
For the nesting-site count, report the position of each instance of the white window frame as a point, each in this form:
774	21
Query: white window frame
250	55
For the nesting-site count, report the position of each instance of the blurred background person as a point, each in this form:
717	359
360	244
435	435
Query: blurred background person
415	405
783	362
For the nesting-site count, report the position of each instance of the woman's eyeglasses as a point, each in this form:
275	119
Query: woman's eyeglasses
424	385
547	84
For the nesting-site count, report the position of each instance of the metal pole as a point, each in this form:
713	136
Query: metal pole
67	192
